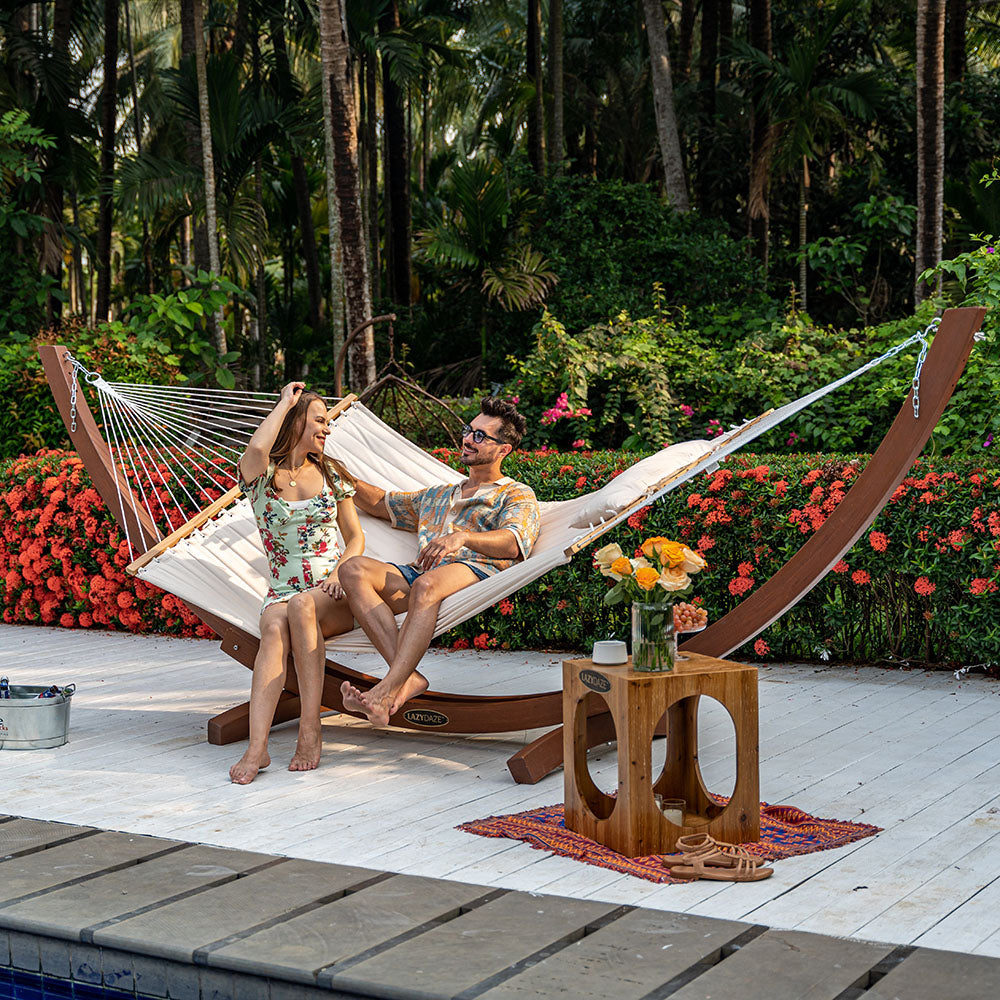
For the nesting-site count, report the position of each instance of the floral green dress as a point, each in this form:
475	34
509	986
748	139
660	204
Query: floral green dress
300	537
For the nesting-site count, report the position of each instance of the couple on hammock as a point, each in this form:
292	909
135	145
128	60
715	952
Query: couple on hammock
300	497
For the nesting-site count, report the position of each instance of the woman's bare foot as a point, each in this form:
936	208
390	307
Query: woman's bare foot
414	685
308	749
353	698
246	768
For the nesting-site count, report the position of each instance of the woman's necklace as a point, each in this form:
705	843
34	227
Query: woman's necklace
292	473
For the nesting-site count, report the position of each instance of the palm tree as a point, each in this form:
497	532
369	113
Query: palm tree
809	100
481	238
674	182
342	132
761	141
930	139
108	131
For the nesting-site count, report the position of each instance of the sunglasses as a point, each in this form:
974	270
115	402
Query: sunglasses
479	436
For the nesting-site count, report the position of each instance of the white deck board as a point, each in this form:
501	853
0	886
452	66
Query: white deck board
915	752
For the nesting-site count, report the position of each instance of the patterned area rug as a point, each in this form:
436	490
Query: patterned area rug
784	832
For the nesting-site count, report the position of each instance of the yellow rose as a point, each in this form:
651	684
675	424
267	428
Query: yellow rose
622	566
651	546
647	577
674	578
672	554
693	562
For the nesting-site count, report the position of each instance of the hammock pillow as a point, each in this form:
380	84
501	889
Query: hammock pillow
643	477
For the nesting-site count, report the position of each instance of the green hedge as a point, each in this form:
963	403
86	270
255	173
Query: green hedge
921	585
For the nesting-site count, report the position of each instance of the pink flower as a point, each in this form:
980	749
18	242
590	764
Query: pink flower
688	411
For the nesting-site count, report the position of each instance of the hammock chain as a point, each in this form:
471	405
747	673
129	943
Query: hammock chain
91	378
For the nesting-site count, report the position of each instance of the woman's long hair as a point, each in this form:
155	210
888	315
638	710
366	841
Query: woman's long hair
289	434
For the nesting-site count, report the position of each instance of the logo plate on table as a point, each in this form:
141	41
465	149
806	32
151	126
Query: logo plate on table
595	681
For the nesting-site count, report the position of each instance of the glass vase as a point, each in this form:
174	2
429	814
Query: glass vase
653	640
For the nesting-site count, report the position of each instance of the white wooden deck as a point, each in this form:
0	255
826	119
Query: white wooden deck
914	752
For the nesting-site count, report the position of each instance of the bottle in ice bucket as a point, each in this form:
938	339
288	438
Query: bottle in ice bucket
4	688
51	693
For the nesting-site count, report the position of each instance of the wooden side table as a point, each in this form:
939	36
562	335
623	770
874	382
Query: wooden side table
630	823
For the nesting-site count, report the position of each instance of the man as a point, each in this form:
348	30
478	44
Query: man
466	533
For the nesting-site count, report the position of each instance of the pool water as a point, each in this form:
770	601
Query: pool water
16	985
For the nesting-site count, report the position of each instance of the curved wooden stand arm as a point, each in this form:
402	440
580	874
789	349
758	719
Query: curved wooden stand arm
94	451
870	492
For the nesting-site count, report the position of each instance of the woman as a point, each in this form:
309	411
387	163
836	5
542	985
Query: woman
299	499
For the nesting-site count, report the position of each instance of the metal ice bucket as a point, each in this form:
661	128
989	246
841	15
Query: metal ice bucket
30	722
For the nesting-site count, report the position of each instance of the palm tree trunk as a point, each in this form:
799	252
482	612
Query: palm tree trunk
218	331
147	253
930	138
300	185
536	110
192	138
557	138
674	182
107	176
397	181
336	310
342	132
371	191
761	145
803	210
53	236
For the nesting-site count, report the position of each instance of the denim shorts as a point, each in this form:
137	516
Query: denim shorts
410	573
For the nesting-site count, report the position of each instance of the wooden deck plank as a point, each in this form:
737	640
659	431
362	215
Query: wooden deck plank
939	975
179	929
104	852
299	948
627	960
71	912
467	952
26	836
788	965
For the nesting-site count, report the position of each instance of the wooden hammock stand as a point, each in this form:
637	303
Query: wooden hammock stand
457	713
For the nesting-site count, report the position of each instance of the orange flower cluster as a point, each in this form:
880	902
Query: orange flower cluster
63	558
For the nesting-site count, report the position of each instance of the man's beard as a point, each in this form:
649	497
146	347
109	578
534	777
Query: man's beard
475	459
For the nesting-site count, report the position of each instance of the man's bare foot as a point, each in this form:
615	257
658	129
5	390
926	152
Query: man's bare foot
354	700
308	749
246	768
378	705
414	685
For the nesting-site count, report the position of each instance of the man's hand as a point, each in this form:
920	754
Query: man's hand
440	548
331	586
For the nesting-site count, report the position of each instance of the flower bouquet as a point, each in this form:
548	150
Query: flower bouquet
652	581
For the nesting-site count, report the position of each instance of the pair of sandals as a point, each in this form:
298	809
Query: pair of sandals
704	857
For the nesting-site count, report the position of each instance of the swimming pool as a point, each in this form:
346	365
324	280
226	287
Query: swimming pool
17	985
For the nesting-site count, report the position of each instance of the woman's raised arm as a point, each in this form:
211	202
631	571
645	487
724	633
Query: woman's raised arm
254	460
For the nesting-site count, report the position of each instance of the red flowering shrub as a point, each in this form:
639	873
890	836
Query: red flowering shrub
63	558
920	585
